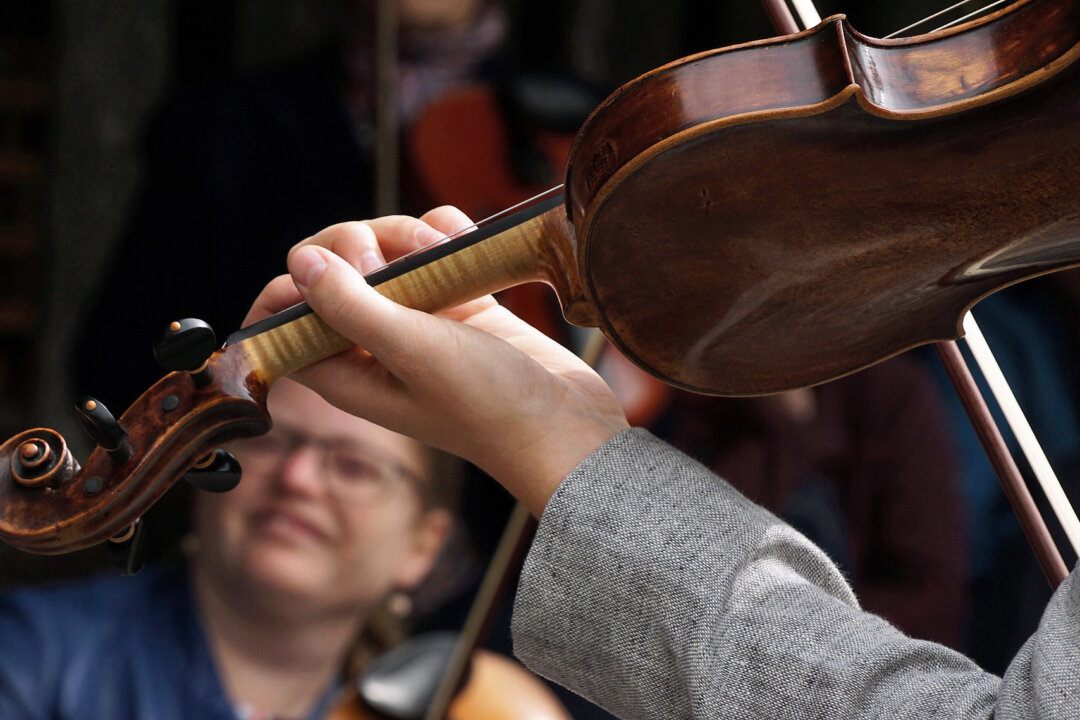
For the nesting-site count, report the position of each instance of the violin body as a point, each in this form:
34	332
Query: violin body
916	177
813	204
497	688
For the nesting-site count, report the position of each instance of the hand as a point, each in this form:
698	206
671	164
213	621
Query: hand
473	380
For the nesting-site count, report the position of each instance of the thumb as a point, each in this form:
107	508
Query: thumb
338	294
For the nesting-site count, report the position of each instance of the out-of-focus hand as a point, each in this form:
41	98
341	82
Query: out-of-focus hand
473	380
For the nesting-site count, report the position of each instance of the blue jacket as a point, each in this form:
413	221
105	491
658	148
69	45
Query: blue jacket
111	648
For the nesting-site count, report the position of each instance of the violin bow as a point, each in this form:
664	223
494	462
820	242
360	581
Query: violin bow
508	557
1030	446
1012	483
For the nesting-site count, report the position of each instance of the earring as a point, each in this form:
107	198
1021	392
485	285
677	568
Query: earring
399	604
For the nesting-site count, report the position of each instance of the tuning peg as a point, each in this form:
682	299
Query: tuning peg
219	471
103	428
127	551
185	345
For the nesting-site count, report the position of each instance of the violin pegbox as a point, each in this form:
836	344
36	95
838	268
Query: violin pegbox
50	504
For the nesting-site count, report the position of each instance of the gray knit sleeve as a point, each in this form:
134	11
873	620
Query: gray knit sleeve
656	590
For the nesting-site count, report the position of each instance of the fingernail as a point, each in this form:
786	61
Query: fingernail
370	261
307	265
426	236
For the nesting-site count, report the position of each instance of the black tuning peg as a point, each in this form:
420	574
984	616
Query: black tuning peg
127	551
217	472
186	345
103	428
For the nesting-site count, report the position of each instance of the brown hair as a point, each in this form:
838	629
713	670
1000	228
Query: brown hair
442	486
388	625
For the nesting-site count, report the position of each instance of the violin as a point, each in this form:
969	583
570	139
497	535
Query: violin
402	684
918	176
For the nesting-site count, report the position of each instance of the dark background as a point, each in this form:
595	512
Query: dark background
79	78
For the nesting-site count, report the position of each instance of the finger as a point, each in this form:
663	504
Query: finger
447	219
356	242
468	308
375	392
367	245
279	293
341	297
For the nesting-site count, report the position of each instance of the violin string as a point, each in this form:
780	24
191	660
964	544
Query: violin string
480	223
492	218
955	21
985	8
928	18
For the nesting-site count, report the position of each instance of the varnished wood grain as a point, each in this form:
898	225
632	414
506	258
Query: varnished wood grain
63	516
818	239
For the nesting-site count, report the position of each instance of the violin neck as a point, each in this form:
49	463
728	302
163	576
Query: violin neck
518	248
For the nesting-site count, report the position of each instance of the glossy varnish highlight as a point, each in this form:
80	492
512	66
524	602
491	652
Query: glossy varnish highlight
799	241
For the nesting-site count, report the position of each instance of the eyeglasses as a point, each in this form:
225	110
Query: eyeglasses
355	474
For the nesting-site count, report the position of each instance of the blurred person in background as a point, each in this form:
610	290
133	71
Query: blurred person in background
282	596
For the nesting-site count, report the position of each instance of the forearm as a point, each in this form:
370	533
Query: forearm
656	590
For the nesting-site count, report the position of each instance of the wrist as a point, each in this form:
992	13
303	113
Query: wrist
533	470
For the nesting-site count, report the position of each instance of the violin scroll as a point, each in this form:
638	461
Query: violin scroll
50	504
39	458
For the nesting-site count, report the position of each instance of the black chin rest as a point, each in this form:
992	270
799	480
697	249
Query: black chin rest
401	683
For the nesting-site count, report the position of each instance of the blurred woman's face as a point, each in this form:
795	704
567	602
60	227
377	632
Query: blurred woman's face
329	509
